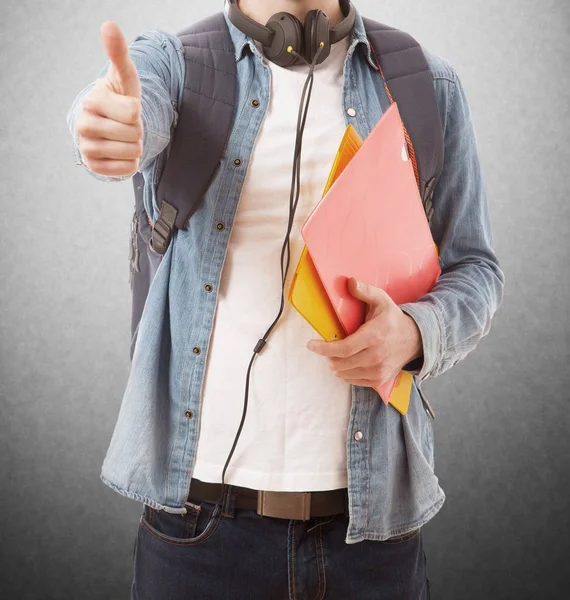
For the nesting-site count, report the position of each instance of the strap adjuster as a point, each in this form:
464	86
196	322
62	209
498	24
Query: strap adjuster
427	199
429	189
163	228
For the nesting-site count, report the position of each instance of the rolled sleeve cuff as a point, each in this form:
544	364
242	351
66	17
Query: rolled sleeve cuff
430	324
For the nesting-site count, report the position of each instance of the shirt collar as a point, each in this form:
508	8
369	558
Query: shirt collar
241	40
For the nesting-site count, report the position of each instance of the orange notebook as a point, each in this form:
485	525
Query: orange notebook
371	225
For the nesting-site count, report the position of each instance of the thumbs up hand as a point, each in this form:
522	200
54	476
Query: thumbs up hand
109	123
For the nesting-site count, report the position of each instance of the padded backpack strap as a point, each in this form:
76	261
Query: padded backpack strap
203	127
409	82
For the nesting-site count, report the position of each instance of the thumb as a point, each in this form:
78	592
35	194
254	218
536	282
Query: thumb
126	77
367	293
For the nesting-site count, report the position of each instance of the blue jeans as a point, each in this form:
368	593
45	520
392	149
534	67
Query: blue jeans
249	557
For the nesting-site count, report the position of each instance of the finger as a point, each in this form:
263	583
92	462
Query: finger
110	149
90	125
372	295
364	383
112	167
369	373
109	104
369	357
349	346
117	50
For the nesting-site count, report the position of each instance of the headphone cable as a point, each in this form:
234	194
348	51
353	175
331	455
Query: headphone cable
285	255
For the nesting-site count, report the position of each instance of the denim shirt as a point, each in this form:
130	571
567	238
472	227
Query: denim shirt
392	488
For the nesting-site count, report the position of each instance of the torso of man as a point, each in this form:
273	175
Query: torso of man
294	435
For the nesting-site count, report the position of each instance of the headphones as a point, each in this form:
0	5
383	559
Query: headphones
284	33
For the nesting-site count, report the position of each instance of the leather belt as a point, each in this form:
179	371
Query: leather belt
281	505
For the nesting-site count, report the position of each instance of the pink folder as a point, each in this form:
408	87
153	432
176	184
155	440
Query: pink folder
371	225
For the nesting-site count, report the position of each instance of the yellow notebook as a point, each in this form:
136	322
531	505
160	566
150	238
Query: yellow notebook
308	296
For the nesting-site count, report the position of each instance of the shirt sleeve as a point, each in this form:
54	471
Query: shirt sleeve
159	59
457	313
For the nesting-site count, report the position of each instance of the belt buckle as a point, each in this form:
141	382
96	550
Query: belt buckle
295	505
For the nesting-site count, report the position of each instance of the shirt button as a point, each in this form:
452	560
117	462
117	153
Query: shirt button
255	103
358	436
237	162
196	350
351	112
188	414
220	226
208	287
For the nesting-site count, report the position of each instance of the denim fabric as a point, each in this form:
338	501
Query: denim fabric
392	486
249	557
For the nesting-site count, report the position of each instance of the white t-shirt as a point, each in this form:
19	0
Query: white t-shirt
294	434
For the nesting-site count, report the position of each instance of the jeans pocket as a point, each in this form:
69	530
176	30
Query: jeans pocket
176	529
405	537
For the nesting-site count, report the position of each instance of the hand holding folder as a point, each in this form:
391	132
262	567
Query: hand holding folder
370	225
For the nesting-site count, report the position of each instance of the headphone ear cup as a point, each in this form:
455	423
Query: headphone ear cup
317	30
288	32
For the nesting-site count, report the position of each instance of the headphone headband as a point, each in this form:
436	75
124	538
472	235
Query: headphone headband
265	35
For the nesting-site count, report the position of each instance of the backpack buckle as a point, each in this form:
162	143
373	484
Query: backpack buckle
163	228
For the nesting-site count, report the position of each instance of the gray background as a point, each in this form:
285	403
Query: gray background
502	444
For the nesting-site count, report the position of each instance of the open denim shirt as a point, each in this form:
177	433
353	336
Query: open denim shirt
392	488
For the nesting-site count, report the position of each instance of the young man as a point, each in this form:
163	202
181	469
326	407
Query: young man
314	423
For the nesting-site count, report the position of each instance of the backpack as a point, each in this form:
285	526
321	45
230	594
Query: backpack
205	117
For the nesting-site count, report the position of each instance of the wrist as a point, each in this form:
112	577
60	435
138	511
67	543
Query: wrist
414	337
